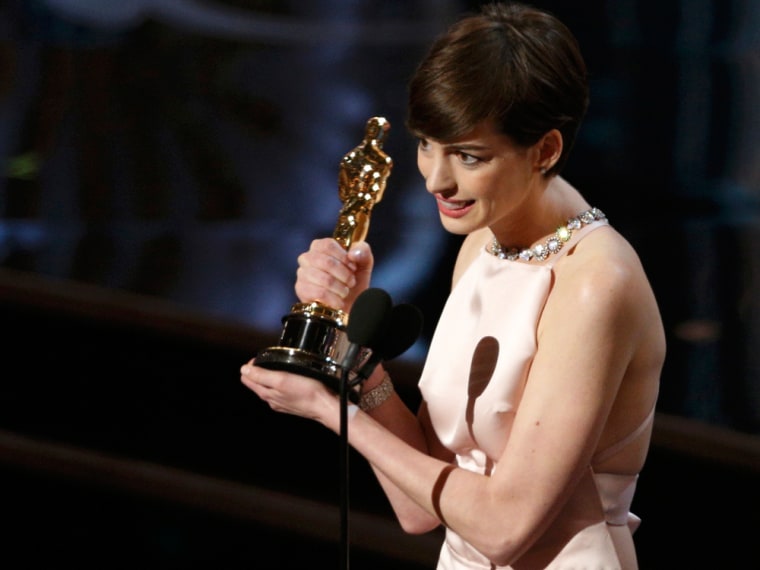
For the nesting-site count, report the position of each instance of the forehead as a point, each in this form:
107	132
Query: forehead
484	135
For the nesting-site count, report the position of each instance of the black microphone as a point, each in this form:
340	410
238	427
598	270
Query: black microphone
403	329
367	323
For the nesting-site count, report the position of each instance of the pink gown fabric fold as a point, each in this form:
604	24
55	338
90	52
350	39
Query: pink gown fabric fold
472	383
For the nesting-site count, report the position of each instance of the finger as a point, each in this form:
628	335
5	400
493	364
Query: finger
329	256
249	378
361	256
325	273
315	285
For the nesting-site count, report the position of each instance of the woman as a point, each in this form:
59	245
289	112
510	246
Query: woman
539	388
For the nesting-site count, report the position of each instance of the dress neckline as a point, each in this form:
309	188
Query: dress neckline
551	245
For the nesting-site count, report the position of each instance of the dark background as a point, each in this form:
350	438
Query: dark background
164	164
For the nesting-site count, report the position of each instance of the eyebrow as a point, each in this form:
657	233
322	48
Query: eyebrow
466	146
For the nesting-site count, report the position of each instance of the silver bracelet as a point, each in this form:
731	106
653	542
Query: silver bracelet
377	395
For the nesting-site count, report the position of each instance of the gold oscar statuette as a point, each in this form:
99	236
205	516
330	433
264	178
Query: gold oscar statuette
313	341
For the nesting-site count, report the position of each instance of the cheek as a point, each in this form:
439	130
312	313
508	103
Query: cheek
483	185
422	164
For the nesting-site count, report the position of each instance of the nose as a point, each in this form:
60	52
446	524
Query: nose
436	171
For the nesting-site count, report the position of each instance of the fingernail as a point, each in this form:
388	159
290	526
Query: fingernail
357	253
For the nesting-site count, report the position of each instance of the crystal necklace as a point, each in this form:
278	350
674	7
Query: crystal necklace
553	243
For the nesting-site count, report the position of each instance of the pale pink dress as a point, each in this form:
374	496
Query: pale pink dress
472	382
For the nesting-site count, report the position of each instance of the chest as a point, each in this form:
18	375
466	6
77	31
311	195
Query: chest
481	353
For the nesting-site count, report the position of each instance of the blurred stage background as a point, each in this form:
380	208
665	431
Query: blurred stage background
165	161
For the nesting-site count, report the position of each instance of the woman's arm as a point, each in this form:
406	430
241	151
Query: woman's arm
298	395
335	277
394	415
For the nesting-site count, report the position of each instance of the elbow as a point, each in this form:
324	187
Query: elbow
418	524
501	548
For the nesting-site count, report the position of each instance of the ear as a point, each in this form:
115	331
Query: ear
549	150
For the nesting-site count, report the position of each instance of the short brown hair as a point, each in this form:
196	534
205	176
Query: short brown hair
512	64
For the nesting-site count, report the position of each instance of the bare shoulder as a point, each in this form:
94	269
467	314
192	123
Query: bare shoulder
603	257
603	274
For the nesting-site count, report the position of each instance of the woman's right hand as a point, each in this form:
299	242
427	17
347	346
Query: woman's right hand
333	276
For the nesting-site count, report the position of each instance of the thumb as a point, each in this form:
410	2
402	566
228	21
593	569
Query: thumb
360	254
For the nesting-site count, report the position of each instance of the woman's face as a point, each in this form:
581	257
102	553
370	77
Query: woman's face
478	180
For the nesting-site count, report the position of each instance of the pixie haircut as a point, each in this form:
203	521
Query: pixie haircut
511	64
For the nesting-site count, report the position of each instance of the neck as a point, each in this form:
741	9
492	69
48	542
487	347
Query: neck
540	215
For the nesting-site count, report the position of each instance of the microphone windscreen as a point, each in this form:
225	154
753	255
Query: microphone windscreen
403	330
369	317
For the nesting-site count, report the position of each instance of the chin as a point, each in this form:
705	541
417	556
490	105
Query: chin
457	226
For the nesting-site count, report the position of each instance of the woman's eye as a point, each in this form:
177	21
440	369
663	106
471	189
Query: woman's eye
468	159
423	144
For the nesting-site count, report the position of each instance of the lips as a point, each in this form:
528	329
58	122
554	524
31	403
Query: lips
454	208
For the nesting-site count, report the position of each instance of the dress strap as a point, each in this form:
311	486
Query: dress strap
577	236
615	447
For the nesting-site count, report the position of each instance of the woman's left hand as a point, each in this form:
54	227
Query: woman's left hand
291	393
